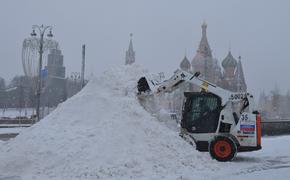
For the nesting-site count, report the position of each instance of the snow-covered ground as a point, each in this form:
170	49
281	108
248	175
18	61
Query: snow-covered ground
14	112
104	133
11	130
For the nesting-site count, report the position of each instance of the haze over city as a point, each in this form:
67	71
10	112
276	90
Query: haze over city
78	100
164	31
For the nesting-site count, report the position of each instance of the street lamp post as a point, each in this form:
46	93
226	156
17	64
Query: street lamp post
76	77
41	30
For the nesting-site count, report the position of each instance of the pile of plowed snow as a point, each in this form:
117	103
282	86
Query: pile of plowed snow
102	132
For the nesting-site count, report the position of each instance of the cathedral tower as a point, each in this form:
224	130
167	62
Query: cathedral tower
130	53
185	64
240	78
229	64
203	61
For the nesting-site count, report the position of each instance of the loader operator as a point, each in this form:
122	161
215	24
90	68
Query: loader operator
200	121
204	108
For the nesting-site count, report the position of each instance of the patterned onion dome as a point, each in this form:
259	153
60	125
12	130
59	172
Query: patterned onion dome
185	64
229	61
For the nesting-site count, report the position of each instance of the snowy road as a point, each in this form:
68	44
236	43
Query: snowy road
272	162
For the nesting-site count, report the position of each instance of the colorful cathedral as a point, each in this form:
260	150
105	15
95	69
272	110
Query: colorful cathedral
230	76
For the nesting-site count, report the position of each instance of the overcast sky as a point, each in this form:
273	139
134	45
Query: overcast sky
257	30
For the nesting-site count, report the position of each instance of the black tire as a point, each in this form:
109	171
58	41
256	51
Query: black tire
223	149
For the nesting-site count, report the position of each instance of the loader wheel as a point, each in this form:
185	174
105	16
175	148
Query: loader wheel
223	149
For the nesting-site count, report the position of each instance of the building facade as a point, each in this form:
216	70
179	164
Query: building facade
55	81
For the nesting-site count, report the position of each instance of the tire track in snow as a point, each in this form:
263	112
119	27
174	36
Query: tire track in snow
269	163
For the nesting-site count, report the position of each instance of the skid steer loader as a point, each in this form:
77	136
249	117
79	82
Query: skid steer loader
216	120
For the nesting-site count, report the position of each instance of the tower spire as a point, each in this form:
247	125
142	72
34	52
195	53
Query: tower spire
130	53
131	43
203	27
240	78
204	48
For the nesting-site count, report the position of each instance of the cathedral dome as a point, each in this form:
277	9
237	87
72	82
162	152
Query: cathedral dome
185	64
198	59
229	61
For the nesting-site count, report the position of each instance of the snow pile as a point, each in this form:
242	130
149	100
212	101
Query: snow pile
102	132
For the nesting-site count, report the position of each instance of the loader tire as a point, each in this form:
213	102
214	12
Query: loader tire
223	149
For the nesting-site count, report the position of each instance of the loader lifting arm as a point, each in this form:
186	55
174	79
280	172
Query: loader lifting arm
179	77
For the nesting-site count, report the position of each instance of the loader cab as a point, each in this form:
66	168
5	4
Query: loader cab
200	112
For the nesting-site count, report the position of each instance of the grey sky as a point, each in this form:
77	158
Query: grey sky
257	30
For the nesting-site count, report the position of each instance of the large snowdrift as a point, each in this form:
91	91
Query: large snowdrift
103	132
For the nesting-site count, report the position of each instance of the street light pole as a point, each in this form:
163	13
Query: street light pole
41	30
76	77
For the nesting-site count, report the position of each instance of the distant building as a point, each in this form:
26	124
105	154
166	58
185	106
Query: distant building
55	81
130	53
240	78
274	105
54	65
231	77
185	64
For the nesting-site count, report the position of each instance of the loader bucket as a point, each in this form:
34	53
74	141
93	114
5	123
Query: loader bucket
143	85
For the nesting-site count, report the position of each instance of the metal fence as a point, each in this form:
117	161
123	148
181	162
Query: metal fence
272	127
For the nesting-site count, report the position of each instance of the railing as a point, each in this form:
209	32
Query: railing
10	127
272	127
16	122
